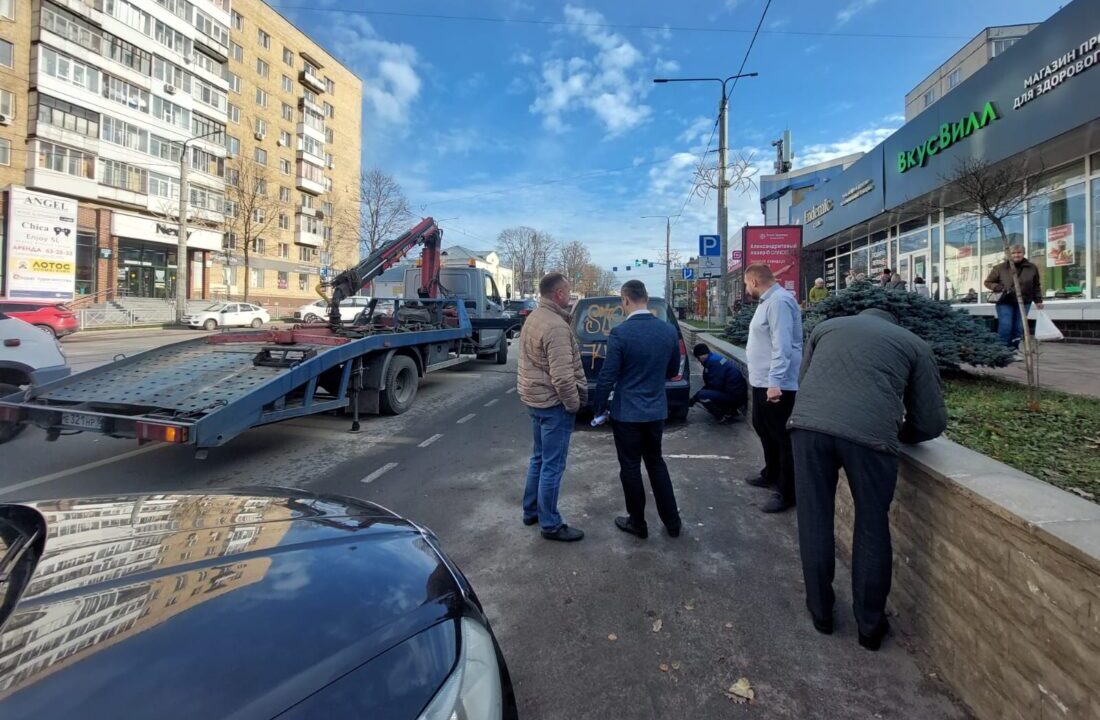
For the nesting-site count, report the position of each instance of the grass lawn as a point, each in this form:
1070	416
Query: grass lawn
702	325
1059	444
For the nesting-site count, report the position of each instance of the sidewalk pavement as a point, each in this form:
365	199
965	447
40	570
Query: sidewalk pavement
1067	367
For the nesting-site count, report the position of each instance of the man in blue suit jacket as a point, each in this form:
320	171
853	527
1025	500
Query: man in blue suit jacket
642	352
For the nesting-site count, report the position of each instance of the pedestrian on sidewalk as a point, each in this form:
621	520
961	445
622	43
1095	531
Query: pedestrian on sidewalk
866	385
818	292
896	282
724	391
920	287
774	352
885	278
1010	325
551	384
642	353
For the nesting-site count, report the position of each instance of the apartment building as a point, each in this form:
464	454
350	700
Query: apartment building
294	206
101	104
971	57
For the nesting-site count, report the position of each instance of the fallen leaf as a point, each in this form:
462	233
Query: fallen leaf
741	691
657	625
664	667
689	606
675	664
729	625
612	637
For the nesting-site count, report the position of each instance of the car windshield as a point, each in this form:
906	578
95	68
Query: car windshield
216	307
595	318
515	305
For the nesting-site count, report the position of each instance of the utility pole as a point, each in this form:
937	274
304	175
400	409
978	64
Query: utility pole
668	254
182	266
723	215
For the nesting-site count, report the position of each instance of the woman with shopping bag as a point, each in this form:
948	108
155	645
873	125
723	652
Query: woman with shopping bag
1010	324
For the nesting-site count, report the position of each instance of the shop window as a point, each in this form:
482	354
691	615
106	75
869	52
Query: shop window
1056	222
1095	238
961	268
934	281
85	263
283	280
256	275
303	281
859	261
878	259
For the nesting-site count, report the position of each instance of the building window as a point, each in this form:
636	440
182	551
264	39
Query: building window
122	92
303	281
236	52
930	97
66	68
263	38
284	166
288	84
330	111
7	9
7	104
260	127
961	269
234	113
123	176
330	85
166	149
1056	225
121	133
1000	45
260	156
307	201
262	68
7	53
67	116
288	57
257	277
284	224
234	82
261	97
258	245
171	74
232	145
5	151
284	248
306	253
954	78
238	21
233	177
284	194
282	280
288	113
329	161
261	186
329	137
284	138
65	160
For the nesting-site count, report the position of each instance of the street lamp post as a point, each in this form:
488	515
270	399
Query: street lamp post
668	254
723	142
182	267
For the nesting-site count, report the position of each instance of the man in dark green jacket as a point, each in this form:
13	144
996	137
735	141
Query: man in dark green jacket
866	385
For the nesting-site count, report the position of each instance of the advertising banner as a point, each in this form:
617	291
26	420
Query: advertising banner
735	260
779	247
1060	246
41	251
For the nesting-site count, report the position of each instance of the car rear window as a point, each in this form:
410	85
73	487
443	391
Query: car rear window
595	318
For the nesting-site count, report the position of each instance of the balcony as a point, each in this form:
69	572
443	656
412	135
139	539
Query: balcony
38	178
311	81
313	131
309	185
304	237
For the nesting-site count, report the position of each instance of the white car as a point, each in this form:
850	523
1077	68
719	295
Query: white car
28	356
228	314
317	311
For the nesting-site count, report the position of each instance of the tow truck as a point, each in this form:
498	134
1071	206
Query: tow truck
206	391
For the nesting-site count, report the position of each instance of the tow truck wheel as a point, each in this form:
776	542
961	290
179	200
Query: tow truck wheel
502	351
210	324
9	430
401	384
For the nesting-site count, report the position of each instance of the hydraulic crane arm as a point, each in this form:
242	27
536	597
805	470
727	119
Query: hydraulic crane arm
352	280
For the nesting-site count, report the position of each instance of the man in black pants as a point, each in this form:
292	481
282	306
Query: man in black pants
642	352
866	385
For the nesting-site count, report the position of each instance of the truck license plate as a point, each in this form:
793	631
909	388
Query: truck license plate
90	422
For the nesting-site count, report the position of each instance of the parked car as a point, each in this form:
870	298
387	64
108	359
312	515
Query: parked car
317	311
519	309
228	315
258	604
27	357
593	320
55	318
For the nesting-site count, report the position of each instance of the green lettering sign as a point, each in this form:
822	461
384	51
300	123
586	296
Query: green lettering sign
946	135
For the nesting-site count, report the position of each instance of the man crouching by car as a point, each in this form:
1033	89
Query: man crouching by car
551	384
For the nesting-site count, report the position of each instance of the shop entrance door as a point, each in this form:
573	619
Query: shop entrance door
912	266
139	281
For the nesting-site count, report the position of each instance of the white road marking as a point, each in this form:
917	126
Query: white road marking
466	418
430	440
492	402
81	468
510	390
379	473
698	457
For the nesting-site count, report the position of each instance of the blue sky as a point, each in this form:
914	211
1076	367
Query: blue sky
557	125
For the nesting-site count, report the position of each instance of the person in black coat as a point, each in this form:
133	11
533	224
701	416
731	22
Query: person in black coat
724	390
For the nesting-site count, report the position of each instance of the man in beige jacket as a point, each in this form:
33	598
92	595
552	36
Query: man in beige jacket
551	384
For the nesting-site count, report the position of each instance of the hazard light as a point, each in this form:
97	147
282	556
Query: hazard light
12	414
161	433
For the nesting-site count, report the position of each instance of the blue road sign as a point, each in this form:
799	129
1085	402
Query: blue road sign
710	245
689	273
615	269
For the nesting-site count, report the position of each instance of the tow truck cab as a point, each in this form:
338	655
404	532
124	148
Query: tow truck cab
480	293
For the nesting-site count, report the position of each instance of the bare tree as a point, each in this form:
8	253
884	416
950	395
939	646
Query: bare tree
572	259
253	204
528	252
996	193
342	228
385	212
740	172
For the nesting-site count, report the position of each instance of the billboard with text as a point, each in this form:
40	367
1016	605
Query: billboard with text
777	246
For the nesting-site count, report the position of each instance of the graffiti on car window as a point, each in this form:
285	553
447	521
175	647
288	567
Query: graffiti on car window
599	319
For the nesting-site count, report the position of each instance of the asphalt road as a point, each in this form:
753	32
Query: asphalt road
689	616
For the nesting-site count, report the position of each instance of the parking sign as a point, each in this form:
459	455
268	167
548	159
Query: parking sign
689	273
710	245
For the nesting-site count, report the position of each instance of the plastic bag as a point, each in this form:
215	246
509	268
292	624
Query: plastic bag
1045	329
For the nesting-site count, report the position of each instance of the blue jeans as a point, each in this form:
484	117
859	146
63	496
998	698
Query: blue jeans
1010	326
552	428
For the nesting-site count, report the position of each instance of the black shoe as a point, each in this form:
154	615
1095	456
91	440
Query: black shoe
873	641
825	627
564	533
673	532
530	520
627	525
777	504
759	481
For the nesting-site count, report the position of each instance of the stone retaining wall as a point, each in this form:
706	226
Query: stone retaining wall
996	579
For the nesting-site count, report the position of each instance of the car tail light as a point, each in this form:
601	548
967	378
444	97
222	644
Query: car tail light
13	342
163	433
683	361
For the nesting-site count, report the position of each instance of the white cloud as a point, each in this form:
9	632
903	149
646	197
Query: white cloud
608	85
861	141
667	66
852	9
698	132
389	70
523	58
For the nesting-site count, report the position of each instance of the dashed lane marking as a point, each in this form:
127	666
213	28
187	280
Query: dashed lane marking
466	418
379	473
492	402
698	457
510	390
430	440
